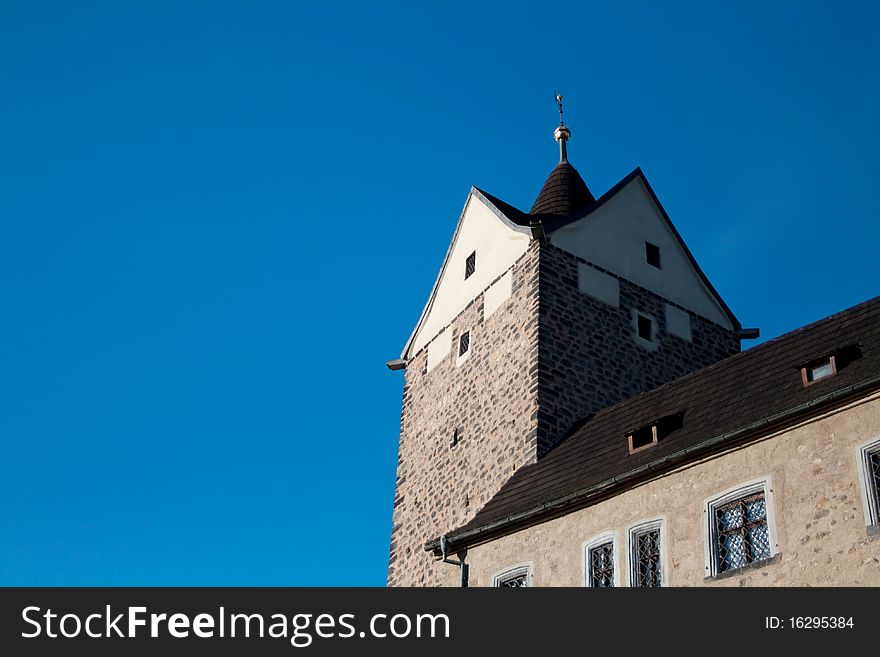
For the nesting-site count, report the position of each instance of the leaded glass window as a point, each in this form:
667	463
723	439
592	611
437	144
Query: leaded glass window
470	265
516	577
647	566
601	565
869	456
874	474
741	532
515	582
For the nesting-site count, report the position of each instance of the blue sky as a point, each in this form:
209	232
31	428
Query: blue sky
219	219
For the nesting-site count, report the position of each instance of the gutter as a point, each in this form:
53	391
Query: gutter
472	536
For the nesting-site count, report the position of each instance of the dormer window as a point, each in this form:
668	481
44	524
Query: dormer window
818	370
830	364
470	265
652	254
650	434
642	438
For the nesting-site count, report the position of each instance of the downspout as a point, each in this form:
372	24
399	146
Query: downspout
444	546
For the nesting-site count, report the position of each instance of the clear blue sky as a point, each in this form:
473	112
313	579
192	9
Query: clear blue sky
219	219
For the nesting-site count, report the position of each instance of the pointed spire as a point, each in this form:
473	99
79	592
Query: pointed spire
564	193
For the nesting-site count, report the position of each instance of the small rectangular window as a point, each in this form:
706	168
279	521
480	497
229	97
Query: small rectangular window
653	433
464	343
644	327
646	567
642	438
470	265
600	562
819	370
652	254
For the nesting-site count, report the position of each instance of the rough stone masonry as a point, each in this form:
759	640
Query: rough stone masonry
549	356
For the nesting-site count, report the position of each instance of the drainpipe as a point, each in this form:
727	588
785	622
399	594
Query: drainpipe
444	546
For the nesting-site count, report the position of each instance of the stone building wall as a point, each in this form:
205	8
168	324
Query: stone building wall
489	397
588	357
546	358
818	507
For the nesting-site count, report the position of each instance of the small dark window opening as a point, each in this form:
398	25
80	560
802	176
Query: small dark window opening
464	343
456	437
644	327
652	254
470	265
651	434
642	438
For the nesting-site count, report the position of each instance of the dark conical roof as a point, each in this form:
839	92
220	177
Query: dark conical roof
565	193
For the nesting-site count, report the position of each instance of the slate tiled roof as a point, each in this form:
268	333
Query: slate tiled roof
565	193
733	400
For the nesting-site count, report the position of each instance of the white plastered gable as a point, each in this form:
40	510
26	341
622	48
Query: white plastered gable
497	242
613	237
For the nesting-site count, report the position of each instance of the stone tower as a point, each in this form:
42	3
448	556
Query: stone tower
537	320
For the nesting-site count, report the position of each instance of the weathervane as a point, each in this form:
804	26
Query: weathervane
559	105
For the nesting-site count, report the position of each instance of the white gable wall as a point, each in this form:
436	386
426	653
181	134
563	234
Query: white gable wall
497	246
614	236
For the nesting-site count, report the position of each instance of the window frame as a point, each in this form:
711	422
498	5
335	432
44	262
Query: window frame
655	248
655	438
464	343
710	530
651	344
461	357
516	570
597	541
470	265
633	531
818	363
870	492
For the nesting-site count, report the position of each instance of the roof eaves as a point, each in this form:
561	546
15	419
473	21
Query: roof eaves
461	537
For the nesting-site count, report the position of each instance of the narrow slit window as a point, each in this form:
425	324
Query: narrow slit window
470	265
652	254
456	437
464	343
644	327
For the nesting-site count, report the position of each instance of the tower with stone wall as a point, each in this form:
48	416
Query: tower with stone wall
537	320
